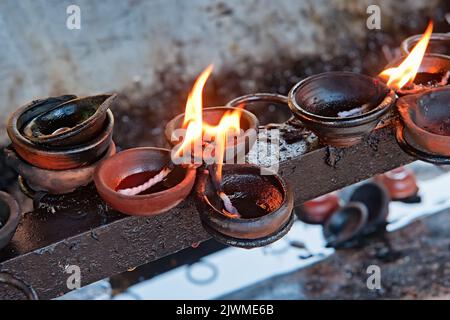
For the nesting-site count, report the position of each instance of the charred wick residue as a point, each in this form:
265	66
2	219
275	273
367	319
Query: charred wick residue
292	135
333	156
252	195
372	141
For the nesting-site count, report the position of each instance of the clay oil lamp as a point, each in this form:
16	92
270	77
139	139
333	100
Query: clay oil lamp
400	183
57	142
238	205
62	133
376	199
345	225
424	129
439	44
341	108
318	210
211	117
243	208
199	125
33	179
433	72
418	72
143	181
9	218
270	109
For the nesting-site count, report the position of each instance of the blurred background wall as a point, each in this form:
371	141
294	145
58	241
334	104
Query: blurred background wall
122	42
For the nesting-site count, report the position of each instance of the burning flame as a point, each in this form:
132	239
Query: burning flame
193	112
219	135
407	70
223	134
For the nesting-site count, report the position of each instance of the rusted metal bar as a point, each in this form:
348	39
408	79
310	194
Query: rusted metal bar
103	243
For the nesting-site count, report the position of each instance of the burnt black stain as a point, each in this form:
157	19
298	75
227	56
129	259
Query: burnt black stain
333	156
292	135
372	141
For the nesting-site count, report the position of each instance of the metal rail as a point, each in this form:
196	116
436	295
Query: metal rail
103	243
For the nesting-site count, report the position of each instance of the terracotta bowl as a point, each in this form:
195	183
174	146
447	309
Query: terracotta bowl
56	181
400	183
64	158
432	69
40	121
258	225
269	108
212	116
345	224
439	44
340	107
9	218
426	119
113	171
318	210
376	199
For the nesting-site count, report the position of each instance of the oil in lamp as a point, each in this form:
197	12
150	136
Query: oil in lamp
57	142
143	181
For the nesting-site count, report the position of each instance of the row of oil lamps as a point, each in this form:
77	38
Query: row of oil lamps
62	143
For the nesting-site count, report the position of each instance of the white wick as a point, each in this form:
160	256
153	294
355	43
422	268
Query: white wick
230	209
147	185
445	79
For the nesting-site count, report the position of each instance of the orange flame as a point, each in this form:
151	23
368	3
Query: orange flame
193	112
219	135
407	70
223	134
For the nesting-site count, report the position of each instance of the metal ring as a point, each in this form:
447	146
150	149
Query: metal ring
263	97
25	188
419	154
250	243
12	281
215	273
275	252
